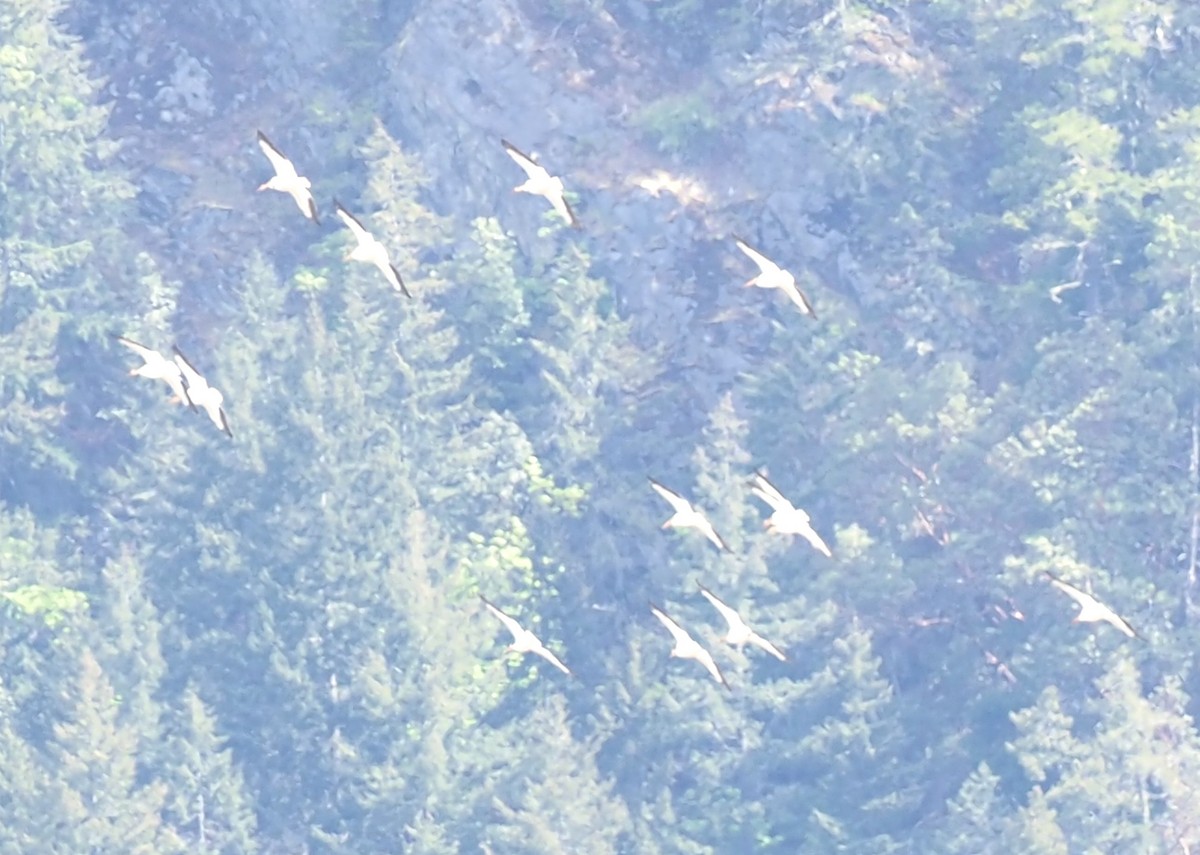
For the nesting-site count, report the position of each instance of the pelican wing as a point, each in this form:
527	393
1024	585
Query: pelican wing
765	264
676	501
767	491
532	168
146	353
564	209
760	642
361	234
1085	600
1091	609
679	633
705	659
282	166
190	374
222	421
543	652
175	381
798	297
711	534
810	534
513	627
393	277
731	616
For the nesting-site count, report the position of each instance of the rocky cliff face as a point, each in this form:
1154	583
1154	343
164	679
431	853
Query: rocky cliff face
670	141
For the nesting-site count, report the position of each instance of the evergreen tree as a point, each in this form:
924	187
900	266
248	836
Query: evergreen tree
59	205
206	803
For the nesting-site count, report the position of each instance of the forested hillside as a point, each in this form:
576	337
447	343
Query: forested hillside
275	643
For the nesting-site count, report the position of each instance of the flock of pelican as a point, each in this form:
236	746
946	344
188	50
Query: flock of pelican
189	386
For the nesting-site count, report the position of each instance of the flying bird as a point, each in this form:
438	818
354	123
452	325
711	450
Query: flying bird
687	647
200	394
786	518
740	633
286	179
1091	610
157	367
771	275
370	250
686	516
525	641
541	183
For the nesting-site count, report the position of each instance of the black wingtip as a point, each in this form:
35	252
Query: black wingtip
400	281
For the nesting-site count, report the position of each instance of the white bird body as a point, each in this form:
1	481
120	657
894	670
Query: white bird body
740	633
525	641
202	395
370	250
287	180
687	647
1091	610
686	516
785	517
539	182
157	367
771	275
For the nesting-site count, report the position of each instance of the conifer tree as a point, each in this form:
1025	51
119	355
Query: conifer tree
59	204
206	803
107	800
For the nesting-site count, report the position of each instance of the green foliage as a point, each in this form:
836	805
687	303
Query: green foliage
275	643
52	605
678	124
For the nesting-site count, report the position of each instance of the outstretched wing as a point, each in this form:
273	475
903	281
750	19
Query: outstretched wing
763	644
282	166
767	491
765	264
710	664
224	419
393	278
352	223
678	502
711	534
190	374
532	168
543	652
680	634
564	209
731	616
511	624
798	297
1085	600
146	353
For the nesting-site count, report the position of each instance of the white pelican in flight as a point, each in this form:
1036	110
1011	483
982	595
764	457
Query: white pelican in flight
370	250
740	633
541	183
525	641
687	647
786	518
200	394
1091	610
686	516
157	367
286	180
771	275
